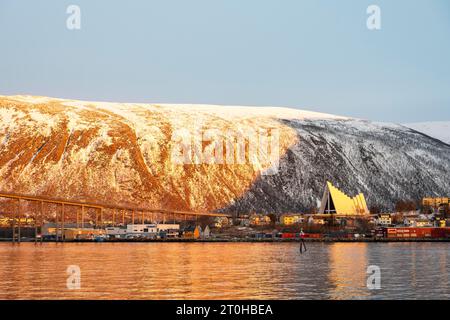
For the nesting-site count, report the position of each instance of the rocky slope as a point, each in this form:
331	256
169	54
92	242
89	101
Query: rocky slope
124	154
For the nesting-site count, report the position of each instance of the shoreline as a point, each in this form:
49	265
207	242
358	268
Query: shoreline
330	240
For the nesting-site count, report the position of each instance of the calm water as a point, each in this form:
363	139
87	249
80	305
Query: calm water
225	270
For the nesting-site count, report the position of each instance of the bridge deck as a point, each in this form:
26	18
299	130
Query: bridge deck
102	206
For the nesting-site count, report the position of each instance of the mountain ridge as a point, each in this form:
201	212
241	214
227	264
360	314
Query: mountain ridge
436	129
123	153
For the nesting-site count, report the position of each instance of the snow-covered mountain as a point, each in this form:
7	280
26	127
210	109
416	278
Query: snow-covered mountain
122	153
436	129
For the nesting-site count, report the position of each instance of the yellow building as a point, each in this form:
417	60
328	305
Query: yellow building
73	233
316	220
82	233
260	220
436	202
335	201
384	219
23	221
421	223
290	219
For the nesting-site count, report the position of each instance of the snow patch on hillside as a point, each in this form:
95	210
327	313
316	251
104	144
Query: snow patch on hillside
224	111
227	112
30	99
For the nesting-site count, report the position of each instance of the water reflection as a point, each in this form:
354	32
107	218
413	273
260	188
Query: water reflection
348	265
224	270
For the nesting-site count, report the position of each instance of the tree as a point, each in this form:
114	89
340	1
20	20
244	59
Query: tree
204	221
273	218
312	210
426	210
375	209
404	206
397	218
445	209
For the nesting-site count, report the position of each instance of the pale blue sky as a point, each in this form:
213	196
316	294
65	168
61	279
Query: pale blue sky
314	54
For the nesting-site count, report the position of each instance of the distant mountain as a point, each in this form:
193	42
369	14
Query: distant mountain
122	153
436	129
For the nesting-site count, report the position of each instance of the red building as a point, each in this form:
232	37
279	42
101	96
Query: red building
412	233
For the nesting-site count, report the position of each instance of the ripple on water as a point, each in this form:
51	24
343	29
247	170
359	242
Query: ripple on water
224	270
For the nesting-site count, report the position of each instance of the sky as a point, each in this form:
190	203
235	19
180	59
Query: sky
316	55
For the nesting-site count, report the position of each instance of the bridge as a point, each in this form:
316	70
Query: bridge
118	215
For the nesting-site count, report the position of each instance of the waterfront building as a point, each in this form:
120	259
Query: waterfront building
116	232
191	232
418	222
334	201
197	232
83	233
71	231
413	232
260	220
442	223
141	230
290	219
436	202
5	221
188	232
168	230
24	221
439	205
206	233
220	222
49	228
409	220
384	219
421	223
316	220
243	221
